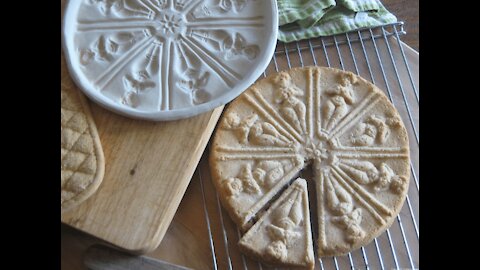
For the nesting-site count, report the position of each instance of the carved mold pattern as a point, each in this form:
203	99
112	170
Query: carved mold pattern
103	49
164	45
307	125
233	5
230	45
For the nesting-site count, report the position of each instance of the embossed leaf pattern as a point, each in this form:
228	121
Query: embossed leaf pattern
179	43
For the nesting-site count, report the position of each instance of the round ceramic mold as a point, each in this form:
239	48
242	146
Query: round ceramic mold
167	59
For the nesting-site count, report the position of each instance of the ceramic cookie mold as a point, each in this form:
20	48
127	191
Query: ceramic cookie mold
167	59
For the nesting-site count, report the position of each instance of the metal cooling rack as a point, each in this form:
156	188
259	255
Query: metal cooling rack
376	54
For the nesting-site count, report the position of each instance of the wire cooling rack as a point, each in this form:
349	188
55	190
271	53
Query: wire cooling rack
378	55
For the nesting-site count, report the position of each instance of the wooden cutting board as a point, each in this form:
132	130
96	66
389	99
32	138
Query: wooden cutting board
148	167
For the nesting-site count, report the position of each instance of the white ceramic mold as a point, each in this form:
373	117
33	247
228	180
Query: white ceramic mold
167	59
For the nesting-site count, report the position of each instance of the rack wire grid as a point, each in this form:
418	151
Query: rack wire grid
376	54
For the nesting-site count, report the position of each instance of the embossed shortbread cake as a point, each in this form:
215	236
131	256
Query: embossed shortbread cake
82	161
338	125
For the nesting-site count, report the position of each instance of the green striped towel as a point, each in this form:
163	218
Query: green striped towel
302	19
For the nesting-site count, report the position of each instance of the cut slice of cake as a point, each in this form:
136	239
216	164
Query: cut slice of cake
282	236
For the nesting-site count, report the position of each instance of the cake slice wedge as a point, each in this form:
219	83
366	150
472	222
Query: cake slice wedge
283	236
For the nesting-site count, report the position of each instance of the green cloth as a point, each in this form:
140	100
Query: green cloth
302	19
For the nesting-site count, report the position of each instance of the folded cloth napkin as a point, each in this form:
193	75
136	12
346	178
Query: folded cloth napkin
302	19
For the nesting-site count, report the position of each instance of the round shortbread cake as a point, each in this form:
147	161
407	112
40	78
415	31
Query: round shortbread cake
335	121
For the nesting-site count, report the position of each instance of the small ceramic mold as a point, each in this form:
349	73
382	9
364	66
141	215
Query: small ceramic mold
167	59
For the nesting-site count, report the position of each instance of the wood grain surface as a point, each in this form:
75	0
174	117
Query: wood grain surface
147	170
100	258
406	11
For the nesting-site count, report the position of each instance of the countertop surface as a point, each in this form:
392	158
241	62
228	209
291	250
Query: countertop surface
406	11
74	243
